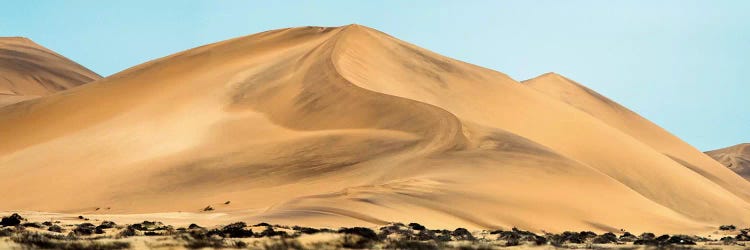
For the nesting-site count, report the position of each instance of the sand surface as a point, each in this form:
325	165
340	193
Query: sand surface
736	158
348	126
28	71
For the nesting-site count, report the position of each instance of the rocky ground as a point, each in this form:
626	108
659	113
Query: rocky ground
19	233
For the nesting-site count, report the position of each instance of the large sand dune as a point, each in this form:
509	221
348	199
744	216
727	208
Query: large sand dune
28	70
349	126
736	158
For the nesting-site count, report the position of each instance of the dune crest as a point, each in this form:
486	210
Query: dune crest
347	126
627	121
28	70
735	158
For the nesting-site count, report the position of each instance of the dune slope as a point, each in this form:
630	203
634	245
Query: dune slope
28	70
735	158
627	121
344	126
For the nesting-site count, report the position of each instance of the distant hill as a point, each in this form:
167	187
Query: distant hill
28	70
736	158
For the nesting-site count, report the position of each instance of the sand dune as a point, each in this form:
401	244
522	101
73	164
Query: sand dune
349	126
625	120
28	70
736	158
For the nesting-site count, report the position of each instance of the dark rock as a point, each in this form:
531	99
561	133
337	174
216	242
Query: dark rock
628	237
680	240
649	240
136	226
148	226
194	226
663	238
32	224
269	232
516	235
210	233
742	237
363	232
462	234
605	238
129	231
152	225
47	223
10	221
306	230
107	224
727	227
525	235
237	230
262	224
442	235
85	229
556	240
647	236
728	240
539	240
416	226
227	203
55	228
208	208
398	229
587	234
573	237
425	235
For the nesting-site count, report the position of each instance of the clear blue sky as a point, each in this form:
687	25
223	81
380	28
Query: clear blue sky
682	64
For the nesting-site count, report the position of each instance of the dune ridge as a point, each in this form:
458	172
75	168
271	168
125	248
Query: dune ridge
627	121
349	126
735	158
29	70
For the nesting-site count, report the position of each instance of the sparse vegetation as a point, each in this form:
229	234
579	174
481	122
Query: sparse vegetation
412	244
84	229
45	241
282	244
393	236
10	221
237	230
196	241
416	226
355	241
55	228
605	238
363	232
462	234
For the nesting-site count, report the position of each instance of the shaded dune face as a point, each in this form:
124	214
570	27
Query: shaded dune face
28	70
630	123
347	126
736	158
